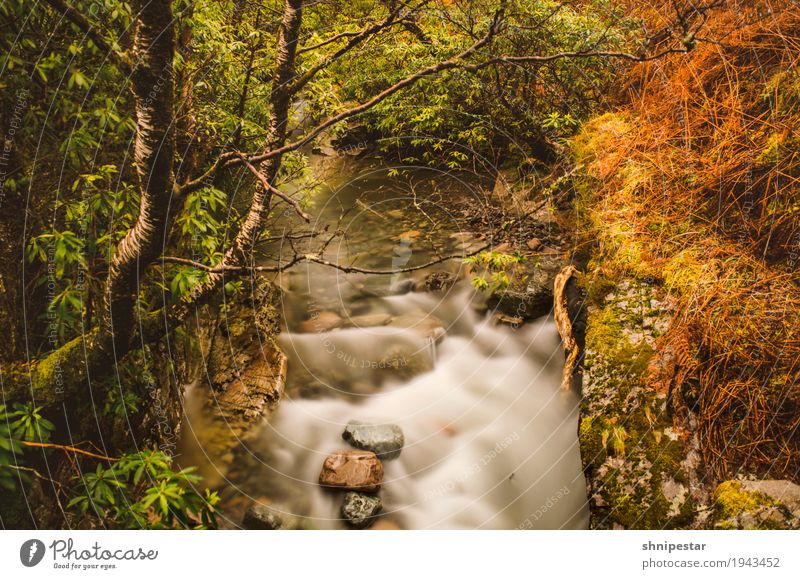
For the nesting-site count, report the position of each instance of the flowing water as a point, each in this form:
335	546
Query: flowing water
490	439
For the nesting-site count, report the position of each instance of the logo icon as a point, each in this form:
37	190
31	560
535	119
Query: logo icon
31	553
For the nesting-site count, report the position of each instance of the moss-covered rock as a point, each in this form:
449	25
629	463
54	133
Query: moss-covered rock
756	505
642	470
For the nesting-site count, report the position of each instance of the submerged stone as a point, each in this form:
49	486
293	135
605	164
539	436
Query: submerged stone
359	510
385	440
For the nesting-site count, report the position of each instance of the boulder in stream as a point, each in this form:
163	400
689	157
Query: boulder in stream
352	470
359	509
385	440
529	297
322	322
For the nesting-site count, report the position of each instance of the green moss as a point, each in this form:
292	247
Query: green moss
590	436
598	288
606	339
51	371
731	500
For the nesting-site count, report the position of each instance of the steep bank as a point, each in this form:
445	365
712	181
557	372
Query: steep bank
686	201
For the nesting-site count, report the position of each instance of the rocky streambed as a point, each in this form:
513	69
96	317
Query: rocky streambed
409	401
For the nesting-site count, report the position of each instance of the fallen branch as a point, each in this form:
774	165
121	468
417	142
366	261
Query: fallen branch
69	449
564	325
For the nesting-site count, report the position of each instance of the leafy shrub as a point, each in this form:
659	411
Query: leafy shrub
141	490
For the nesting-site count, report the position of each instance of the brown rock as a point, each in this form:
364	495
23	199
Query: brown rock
322	322
354	470
369	320
534	244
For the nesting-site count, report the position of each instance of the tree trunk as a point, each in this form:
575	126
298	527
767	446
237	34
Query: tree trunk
154	94
66	373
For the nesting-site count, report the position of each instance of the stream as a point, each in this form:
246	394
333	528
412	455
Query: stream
490	439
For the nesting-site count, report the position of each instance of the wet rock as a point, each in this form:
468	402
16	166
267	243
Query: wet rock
322	322
439	281
385	440
369	320
403	286
528	301
359	509
354	470
265	517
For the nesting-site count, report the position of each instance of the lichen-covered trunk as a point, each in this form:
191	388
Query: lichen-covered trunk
154	93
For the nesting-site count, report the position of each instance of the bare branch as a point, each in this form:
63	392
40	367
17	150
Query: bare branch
313	258
357	39
330	40
72	449
275	191
541	59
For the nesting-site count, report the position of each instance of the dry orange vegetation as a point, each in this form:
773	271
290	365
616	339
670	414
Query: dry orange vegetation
694	183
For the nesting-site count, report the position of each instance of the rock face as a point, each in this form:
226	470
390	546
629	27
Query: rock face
359	510
385	440
757	504
266	518
353	470
643	470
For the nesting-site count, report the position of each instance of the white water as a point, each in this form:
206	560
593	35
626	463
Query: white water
491	440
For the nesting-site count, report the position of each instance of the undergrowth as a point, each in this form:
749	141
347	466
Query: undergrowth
693	185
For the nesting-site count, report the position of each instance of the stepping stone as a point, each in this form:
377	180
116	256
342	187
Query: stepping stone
353	470
359	510
385	440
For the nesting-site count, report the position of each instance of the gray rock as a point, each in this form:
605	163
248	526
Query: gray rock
783	491
359	509
267	518
385	440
